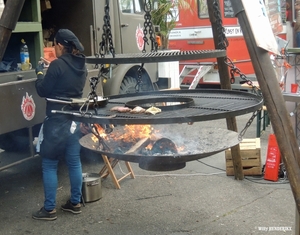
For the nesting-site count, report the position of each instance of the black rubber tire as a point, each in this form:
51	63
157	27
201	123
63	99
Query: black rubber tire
128	85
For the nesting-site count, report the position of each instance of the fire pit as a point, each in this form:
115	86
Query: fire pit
177	106
156	152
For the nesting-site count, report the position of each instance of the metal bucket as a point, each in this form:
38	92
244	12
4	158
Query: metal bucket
91	187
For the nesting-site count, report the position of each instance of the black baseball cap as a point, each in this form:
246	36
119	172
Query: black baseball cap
66	37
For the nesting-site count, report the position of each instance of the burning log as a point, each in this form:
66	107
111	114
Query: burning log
164	146
138	146
155	137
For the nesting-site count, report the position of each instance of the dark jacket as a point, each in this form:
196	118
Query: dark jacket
65	77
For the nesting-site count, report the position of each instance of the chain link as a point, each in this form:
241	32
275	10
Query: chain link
236	70
148	27
242	133
139	78
223	44
92	96
222	40
96	65
106	45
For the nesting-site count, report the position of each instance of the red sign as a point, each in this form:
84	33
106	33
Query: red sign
28	107
139	34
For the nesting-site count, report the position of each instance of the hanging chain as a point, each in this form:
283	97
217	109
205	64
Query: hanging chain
139	79
223	44
242	133
93	84
92	96
222	40
148	27
106	45
236	70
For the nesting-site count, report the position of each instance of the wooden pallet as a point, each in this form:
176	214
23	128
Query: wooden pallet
251	158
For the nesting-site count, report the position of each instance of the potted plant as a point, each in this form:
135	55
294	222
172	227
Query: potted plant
164	14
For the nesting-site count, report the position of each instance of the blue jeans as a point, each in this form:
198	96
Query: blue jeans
298	39
72	158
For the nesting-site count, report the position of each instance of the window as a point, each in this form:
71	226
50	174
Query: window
137	6
286	10
130	6
202	9
228	11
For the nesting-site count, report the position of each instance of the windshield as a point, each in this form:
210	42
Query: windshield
130	6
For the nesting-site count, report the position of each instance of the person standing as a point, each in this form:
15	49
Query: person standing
60	136
297	23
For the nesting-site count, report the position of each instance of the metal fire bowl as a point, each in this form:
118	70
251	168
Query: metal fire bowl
208	141
208	104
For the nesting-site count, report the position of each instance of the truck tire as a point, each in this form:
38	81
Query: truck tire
128	85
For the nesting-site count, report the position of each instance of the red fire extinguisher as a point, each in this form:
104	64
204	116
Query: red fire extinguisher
272	160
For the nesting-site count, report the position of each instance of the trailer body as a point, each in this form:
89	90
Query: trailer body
195	33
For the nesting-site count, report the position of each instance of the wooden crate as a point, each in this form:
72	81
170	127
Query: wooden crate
251	160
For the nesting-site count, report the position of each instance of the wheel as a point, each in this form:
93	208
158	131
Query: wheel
129	85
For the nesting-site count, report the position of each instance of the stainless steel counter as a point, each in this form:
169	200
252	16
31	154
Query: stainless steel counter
292	97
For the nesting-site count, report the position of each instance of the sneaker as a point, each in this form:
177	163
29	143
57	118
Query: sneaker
69	207
42	214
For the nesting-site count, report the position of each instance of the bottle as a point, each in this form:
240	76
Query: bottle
24	56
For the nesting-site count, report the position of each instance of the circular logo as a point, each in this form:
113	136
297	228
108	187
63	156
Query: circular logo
28	107
139	34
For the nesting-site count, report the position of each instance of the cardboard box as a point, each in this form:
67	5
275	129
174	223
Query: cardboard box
251	158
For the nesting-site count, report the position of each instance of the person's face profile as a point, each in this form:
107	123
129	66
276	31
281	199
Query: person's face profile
58	48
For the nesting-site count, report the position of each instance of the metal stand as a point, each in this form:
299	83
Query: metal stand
296	63
32	153
110	163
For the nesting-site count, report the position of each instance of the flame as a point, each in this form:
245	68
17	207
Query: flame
101	133
131	134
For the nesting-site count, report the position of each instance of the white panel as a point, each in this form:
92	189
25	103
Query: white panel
260	25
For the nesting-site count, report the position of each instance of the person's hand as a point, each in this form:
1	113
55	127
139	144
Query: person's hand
39	68
46	62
